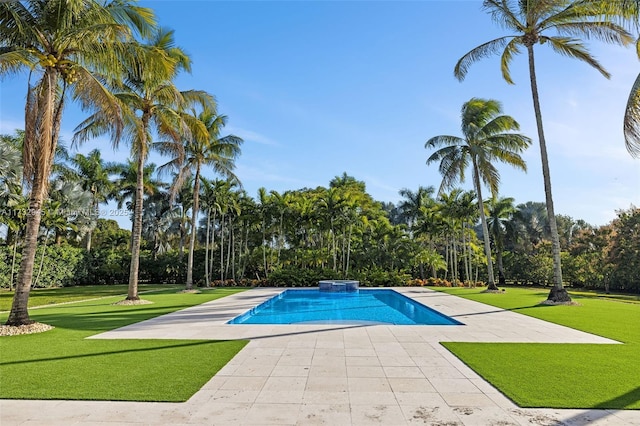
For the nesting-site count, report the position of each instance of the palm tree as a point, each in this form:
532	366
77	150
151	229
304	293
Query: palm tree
126	182
263	209
68	46
157	218
531	20
413	203
200	150
487	138
93	175
10	174
150	101
501	212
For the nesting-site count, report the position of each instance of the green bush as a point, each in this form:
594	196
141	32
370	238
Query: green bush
296	277
377	277
60	266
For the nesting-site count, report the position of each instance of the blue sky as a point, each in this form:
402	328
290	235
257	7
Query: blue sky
318	88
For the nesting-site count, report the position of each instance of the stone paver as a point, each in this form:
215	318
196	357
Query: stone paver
337	374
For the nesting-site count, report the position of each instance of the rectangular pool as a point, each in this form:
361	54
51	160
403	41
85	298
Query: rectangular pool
360	307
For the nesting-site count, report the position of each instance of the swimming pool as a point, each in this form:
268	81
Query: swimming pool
360	307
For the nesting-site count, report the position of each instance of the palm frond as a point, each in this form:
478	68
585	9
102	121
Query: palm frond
443	140
607	32
573	48
512	48
632	120
484	50
502	14
500	124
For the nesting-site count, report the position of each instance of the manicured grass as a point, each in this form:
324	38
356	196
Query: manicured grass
62	364
48	296
561	375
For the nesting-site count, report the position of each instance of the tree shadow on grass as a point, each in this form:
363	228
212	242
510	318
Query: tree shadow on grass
172	345
104	318
605	408
622	401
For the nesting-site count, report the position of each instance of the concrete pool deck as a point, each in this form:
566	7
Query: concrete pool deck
335	374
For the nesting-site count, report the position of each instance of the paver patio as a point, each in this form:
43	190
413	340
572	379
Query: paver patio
336	374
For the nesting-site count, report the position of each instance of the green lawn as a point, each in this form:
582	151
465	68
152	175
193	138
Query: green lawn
561	375
48	296
62	364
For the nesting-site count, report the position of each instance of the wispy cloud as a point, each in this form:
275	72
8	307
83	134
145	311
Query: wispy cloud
252	136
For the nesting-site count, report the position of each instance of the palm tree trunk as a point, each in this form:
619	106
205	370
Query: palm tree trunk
19	314
346	271
94	214
456	277
465	257
44	252
222	249
136	233
491	284
558	292
207	277
13	262
194	218
229	242
264	246
44	145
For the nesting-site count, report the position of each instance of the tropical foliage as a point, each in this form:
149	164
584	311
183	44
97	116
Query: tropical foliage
488	138
556	24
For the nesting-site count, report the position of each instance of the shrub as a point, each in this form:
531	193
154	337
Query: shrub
60	266
295	277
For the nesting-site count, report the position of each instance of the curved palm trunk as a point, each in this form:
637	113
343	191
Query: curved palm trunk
44	147
558	292
491	284
19	314
194	218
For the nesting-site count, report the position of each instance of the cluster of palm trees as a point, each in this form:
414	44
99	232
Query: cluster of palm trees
557	24
120	66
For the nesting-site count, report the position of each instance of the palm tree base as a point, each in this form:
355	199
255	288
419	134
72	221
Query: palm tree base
19	322
559	295
492	286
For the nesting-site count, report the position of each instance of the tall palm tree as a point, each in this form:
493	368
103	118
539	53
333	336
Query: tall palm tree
487	137
92	172
531	217
413	203
67	46
209	149
126	182
150	102
157	218
263	209
531	21
501	212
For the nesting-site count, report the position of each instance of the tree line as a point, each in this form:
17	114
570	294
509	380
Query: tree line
298	236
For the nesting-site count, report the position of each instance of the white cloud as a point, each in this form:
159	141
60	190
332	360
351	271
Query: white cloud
251	136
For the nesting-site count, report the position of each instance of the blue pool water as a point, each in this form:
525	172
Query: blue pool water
360	307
